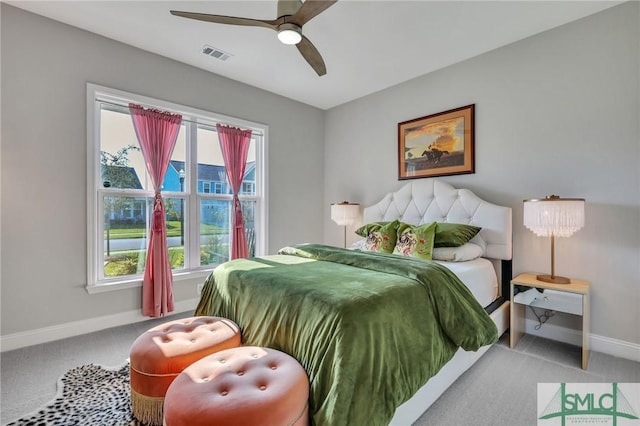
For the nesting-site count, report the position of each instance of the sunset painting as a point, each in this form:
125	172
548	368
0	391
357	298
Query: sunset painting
436	145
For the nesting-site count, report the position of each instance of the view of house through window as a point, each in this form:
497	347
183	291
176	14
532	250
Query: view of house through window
195	189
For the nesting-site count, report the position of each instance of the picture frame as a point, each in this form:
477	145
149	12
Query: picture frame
439	144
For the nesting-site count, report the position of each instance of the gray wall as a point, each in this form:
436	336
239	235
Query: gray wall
555	113
45	68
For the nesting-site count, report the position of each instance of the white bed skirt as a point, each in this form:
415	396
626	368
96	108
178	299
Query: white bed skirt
411	410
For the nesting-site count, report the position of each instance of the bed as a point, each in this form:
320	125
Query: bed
380	335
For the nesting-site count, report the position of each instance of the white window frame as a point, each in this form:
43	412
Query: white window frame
95	239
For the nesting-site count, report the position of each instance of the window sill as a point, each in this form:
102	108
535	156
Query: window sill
134	283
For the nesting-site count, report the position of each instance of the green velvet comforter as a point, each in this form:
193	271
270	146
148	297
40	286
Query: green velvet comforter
370	329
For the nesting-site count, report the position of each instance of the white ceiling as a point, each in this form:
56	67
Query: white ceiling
367	45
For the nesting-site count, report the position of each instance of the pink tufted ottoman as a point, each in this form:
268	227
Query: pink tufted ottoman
161	353
247	385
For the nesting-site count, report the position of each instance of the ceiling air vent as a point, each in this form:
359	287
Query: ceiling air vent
216	53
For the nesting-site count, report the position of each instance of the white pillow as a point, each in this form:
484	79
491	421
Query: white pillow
468	251
359	245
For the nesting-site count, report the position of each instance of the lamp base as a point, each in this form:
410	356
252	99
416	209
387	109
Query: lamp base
553	279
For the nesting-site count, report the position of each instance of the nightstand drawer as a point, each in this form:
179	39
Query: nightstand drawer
554	300
573	298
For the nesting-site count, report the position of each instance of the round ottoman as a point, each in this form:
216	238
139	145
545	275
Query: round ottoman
247	385
161	353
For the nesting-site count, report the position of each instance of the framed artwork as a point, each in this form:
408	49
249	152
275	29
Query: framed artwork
440	144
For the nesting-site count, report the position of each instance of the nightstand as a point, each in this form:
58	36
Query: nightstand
571	298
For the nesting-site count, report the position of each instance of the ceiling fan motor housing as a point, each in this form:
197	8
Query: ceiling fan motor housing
288	7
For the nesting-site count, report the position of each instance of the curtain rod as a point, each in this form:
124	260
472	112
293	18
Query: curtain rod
253	132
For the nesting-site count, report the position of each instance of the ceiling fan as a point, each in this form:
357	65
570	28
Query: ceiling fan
292	15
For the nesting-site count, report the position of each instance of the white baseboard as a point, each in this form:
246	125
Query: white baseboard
602	344
76	328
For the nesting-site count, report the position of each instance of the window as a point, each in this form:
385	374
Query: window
248	187
197	197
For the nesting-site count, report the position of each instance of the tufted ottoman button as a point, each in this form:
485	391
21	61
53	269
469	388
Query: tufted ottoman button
253	386
161	353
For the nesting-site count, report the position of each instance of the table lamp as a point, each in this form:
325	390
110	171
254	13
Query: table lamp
553	216
345	213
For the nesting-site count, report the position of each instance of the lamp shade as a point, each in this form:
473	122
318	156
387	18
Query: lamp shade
345	213
554	216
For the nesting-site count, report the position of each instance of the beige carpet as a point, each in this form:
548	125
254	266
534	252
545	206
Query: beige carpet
501	388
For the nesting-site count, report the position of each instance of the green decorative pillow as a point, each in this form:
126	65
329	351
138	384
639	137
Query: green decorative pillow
416	241
380	236
454	234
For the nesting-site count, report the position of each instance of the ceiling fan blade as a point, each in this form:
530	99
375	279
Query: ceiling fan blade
231	20
309	10
311	54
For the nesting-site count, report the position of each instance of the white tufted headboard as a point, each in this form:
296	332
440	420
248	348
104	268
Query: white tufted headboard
431	200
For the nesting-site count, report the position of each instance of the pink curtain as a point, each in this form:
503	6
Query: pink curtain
157	132
234	144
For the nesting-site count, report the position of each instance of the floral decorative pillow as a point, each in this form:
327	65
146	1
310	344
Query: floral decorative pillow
416	241
454	234
379	236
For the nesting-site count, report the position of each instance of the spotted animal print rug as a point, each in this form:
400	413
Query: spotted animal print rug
87	395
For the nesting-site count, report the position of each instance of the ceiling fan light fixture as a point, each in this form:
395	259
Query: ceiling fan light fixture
289	33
